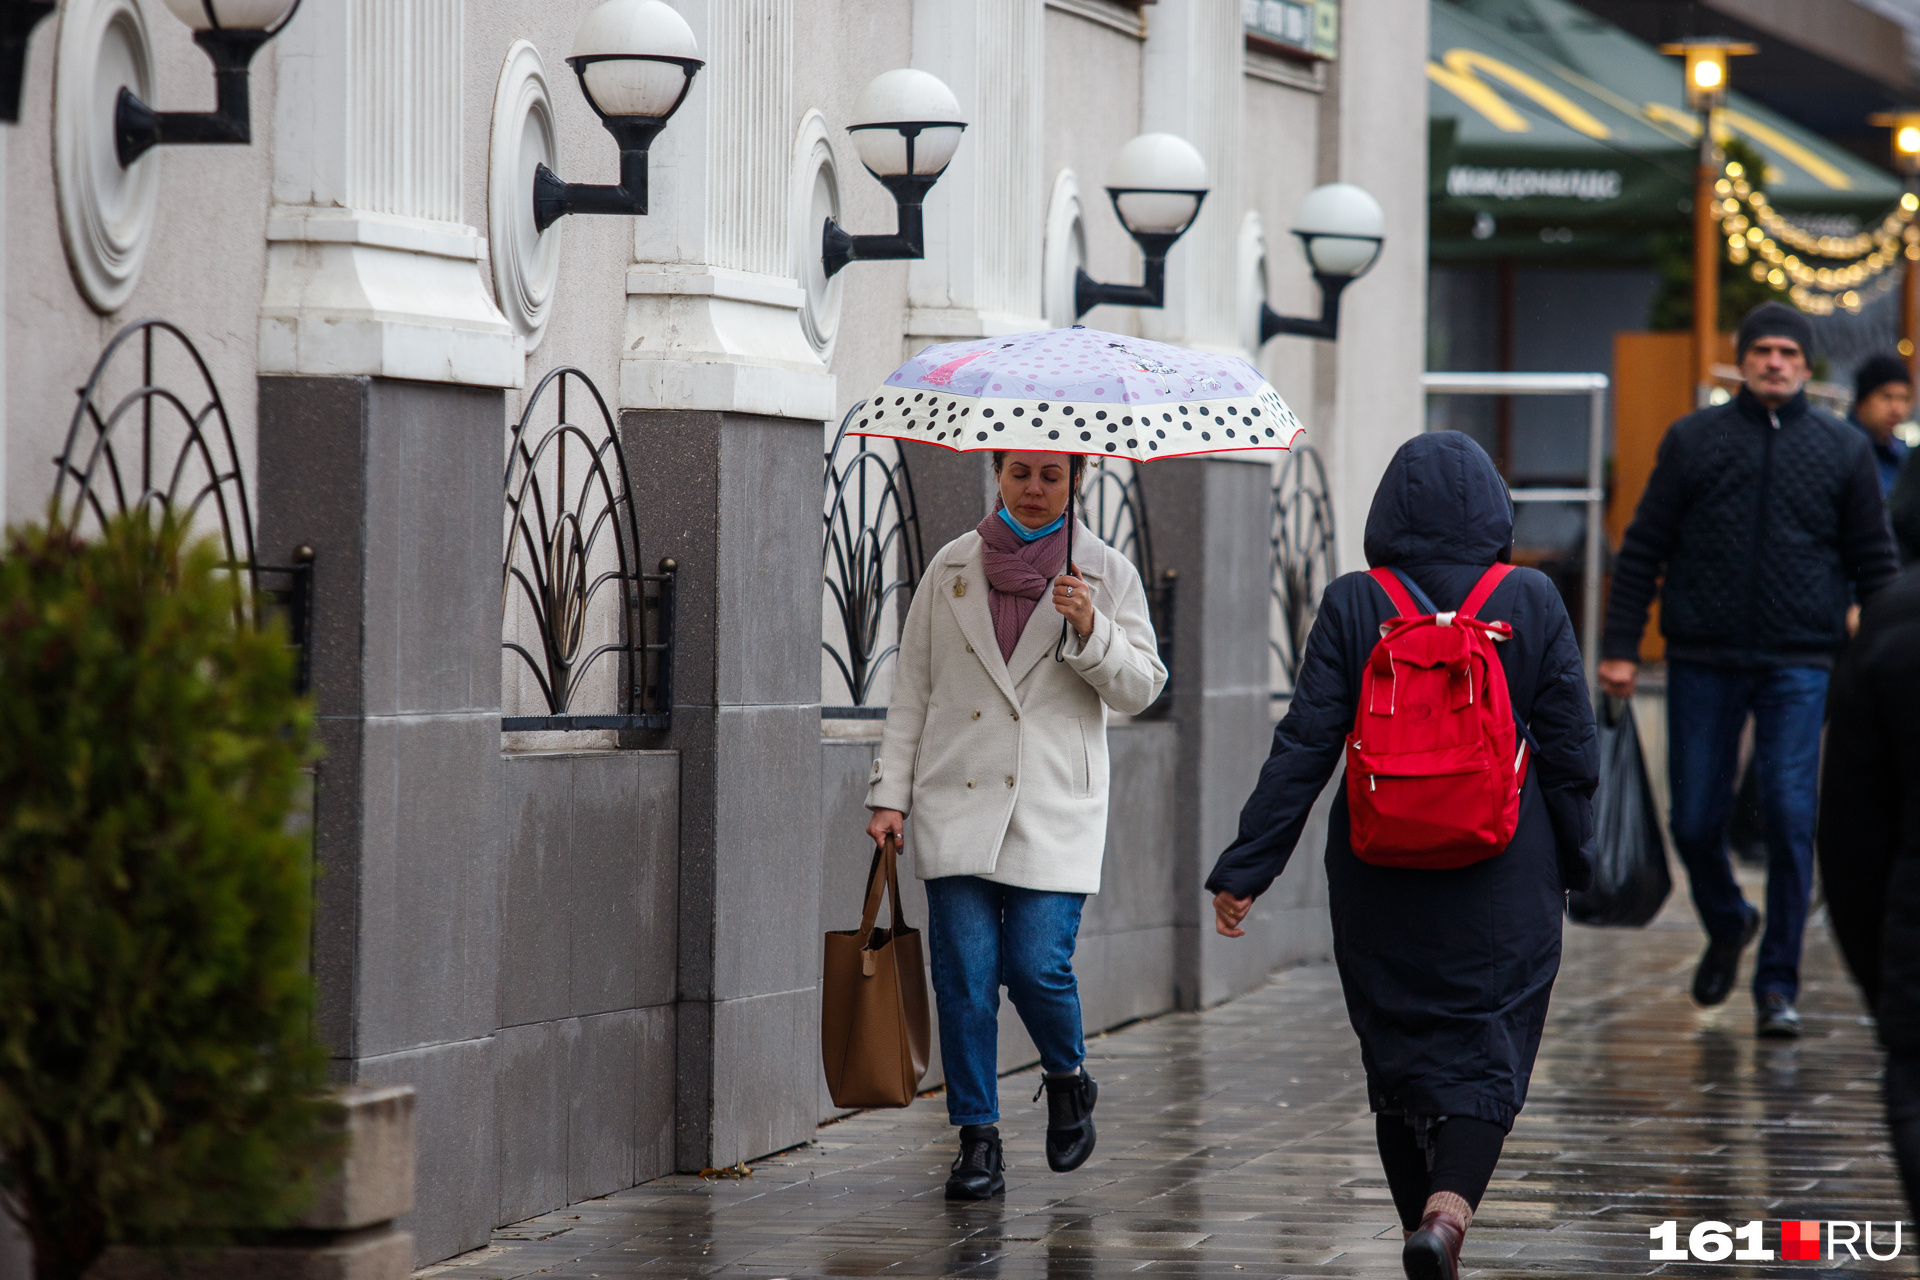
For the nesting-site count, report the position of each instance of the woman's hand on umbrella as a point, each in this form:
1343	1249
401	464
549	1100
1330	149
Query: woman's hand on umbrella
1228	912
887	822
1071	599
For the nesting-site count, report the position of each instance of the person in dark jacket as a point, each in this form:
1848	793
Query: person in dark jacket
1903	512
1765	516
1870	842
1446	973
1882	400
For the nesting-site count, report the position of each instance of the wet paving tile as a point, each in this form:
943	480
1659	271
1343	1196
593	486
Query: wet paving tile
1235	1143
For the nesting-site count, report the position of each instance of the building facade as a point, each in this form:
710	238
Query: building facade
593	951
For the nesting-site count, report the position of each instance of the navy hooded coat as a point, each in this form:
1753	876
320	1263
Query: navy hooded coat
1447	973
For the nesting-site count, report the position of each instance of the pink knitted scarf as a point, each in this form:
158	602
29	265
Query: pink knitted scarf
1018	575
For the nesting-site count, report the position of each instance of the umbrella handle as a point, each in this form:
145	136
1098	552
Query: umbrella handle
1060	645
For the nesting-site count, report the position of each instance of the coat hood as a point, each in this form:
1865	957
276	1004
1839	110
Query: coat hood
1440	502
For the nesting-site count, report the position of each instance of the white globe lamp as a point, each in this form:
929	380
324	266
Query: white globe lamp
907	125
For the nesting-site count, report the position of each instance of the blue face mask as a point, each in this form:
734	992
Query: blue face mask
1025	534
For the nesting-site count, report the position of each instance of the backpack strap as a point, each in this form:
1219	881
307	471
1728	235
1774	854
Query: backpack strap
1396	592
1427	606
1476	598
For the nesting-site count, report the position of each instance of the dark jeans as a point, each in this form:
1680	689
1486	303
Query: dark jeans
1706	709
984	936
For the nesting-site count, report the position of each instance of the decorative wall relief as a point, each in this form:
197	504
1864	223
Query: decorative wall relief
106	212
526	261
1064	251
815	197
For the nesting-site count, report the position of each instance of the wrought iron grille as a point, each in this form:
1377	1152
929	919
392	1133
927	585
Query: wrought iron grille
1113	505
572	536
165	449
1305	559
872	558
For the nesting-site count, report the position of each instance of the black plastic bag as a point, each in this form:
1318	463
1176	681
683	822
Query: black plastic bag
1630	877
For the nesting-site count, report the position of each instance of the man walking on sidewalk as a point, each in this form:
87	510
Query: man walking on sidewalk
1765	517
1882	400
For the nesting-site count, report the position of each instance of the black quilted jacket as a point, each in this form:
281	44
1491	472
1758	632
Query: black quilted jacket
1758	520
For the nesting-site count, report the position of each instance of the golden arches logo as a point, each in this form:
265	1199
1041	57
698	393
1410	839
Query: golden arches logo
1727	122
1461	76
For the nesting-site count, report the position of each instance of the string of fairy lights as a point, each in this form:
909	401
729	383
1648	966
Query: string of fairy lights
1820	273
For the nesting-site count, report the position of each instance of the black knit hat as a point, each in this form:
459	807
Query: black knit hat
1877	373
1773	320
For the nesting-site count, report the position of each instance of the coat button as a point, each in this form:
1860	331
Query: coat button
1009	779
969	648
976	715
969	784
1016	715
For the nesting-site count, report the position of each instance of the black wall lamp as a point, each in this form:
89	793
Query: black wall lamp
636	61
1158	183
18	18
231	32
909	128
1342	231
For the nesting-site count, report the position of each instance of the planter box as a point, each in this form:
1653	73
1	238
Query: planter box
348	1234
377	1253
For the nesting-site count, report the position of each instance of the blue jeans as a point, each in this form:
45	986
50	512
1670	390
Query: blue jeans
1706	709
986	935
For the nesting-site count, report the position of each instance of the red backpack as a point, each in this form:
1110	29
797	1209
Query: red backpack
1433	766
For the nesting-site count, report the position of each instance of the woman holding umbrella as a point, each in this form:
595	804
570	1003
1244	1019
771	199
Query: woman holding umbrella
1000	752
996	736
1447	973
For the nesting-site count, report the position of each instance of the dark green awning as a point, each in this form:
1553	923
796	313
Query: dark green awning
1560	135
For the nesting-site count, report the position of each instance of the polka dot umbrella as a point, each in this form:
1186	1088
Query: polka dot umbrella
1079	390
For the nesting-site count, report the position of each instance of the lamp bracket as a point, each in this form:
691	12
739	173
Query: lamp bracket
1326	327
138	128
1089	293
554	197
909	191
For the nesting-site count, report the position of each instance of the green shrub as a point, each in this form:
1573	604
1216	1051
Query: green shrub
158	1067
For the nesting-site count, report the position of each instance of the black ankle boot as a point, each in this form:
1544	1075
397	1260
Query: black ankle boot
978	1169
1070	1102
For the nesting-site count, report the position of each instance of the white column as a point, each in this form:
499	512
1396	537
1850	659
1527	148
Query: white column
370	266
1383	316
1193	85
713	310
986	219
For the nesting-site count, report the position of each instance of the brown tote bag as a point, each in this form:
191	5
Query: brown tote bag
874	1028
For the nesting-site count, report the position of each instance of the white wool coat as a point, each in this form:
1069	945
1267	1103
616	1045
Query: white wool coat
982	751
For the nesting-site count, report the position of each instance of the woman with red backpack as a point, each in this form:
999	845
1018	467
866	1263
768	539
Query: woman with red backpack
1452	685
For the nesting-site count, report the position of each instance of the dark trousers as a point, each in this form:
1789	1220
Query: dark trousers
1903	1122
1459	1156
1706	709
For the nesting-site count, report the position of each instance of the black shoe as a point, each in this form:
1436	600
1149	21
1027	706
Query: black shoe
1777	1019
1070	1102
978	1171
1713	980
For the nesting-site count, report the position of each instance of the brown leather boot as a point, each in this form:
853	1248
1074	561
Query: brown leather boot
1433	1252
